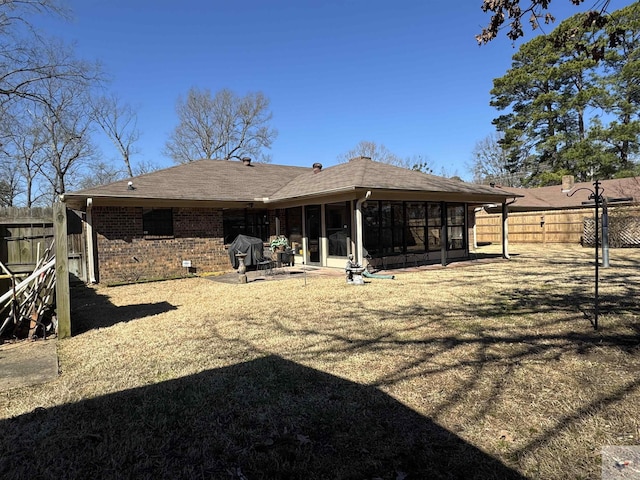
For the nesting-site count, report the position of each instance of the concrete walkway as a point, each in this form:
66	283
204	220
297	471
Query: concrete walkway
27	363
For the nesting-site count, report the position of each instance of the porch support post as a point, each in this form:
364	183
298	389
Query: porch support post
305	238
360	229
90	246
443	234
324	241
505	230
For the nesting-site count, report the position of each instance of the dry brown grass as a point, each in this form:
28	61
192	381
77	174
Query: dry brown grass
488	371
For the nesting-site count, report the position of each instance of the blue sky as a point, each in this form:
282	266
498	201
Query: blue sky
407	74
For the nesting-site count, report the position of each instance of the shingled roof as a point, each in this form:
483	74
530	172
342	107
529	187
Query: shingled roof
553	198
364	173
208	180
233	181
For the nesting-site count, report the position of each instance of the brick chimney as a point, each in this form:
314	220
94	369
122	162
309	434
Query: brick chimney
317	167
567	182
246	161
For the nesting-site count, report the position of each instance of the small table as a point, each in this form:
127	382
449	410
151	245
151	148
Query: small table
284	258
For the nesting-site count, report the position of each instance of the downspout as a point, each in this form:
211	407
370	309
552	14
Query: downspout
90	245
359	229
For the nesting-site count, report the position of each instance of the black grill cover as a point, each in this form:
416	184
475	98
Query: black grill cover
252	246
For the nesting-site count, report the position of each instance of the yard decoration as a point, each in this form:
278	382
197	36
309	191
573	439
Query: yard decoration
354	271
596	196
242	268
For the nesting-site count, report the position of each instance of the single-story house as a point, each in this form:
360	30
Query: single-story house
147	226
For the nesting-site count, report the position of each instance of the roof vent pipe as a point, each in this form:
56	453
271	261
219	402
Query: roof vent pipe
246	161
317	167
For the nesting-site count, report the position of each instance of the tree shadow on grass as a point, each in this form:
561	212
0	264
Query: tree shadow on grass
91	310
265	419
492	355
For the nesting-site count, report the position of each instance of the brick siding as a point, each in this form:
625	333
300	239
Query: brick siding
125	254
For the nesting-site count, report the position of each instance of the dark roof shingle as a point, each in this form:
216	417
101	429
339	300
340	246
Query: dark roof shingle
232	181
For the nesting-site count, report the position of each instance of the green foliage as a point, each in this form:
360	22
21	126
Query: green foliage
279	242
570	110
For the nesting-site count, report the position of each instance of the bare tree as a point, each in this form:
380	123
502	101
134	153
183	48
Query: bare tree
490	163
100	173
222	126
27	143
43	97
145	166
23	139
379	153
10	184
24	63
67	119
119	122
375	151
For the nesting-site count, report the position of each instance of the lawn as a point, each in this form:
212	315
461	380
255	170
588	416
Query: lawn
490	370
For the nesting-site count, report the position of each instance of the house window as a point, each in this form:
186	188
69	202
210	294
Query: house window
434	226
253	223
415	232
371	220
455	227
384	227
392	214
157	222
412	227
294	226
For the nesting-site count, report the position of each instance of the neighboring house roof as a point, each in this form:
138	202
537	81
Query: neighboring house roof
224	181
554	198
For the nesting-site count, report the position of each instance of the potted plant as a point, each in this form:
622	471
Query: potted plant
279	243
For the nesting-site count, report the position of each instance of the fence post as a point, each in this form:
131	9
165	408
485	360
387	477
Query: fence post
63	308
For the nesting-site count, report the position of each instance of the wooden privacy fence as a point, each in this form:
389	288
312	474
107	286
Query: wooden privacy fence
25	233
560	226
551	226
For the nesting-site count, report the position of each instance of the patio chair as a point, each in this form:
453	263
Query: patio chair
266	265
